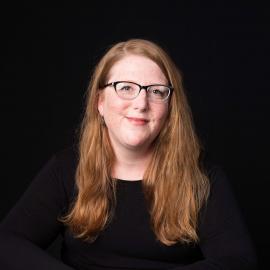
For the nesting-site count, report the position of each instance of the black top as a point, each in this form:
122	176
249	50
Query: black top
128	242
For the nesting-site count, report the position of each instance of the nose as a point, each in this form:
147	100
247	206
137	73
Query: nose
141	101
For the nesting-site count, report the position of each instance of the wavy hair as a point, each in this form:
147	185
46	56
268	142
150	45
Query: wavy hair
174	184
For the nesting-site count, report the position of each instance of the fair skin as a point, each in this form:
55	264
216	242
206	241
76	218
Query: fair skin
133	124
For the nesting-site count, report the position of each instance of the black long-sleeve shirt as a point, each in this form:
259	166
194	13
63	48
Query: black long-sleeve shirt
128	241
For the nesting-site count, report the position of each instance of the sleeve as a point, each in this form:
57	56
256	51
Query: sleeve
32	224
224	239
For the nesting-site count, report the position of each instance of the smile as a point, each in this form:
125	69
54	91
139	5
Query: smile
137	121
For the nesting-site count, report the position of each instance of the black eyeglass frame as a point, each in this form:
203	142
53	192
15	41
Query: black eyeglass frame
146	87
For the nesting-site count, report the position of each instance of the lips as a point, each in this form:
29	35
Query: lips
137	120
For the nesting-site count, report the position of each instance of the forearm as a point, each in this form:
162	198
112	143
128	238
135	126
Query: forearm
225	263
17	253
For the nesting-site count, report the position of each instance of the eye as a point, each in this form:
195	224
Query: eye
125	88
158	92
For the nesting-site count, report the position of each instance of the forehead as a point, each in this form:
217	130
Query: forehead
136	68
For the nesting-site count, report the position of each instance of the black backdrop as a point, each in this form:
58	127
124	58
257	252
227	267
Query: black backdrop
48	55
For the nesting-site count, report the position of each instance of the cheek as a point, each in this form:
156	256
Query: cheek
161	113
114	109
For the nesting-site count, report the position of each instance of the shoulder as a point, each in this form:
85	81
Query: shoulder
221	187
62	162
59	171
215	172
222	197
67	156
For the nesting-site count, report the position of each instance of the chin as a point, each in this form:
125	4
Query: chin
136	144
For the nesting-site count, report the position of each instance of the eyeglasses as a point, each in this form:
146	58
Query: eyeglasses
130	90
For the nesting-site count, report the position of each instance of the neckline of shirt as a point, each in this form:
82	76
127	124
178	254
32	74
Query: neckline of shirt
127	181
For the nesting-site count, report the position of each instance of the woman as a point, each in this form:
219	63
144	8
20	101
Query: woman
135	196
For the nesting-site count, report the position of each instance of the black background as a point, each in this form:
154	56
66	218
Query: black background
48	54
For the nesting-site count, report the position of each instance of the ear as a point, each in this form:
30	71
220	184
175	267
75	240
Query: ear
100	103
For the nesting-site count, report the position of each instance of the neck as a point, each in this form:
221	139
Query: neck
131	164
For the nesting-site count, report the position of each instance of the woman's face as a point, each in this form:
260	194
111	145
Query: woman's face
133	124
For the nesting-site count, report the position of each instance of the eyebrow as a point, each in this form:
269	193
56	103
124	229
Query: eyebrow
131	81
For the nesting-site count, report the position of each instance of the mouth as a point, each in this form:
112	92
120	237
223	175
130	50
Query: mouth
137	121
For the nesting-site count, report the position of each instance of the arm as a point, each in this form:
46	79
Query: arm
224	239
32	224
